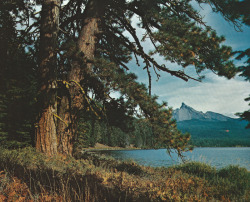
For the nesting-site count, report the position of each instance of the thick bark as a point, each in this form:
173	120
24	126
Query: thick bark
71	106
46	138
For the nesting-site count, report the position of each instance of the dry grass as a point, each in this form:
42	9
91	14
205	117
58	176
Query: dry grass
31	176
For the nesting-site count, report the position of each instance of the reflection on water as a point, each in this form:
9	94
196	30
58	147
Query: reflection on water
218	157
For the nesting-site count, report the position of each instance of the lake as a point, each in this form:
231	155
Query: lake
218	157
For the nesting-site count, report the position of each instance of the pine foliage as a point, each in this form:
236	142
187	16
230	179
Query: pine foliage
242	10
175	30
17	79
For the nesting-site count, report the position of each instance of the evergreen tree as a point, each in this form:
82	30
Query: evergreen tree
17	76
245	72
103	50
89	54
241	11
46	134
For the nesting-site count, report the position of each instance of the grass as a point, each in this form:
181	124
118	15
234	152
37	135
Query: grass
28	175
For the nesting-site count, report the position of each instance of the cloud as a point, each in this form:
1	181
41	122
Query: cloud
214	94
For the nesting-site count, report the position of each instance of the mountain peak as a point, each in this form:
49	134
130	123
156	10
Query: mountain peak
183	105
186	112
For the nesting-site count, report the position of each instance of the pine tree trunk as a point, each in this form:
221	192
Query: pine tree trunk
46	138
73	104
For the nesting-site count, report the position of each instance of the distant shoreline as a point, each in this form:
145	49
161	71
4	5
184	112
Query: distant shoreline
102	147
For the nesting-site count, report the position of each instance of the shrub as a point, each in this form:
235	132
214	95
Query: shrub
232	181
197	169
236	178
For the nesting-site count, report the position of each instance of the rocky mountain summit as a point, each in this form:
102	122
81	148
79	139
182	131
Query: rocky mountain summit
186	112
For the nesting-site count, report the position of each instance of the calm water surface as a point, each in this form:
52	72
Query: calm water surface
218	157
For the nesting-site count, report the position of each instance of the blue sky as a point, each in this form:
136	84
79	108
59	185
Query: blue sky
214	93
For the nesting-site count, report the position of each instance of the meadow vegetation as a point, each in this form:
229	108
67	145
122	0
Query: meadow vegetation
28	175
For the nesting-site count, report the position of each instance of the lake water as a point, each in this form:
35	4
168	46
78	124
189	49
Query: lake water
217	157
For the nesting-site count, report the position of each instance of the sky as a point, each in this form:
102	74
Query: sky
214	93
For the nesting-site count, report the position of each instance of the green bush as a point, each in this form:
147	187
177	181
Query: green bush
197	169
236	178
232	181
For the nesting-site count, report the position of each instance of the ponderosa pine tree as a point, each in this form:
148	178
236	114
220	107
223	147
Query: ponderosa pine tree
71	105
46	135
96	41
238	12
245	72
242	10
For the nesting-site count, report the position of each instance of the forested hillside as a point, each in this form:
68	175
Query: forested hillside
216	133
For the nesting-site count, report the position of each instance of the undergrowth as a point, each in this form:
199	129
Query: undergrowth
26	175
